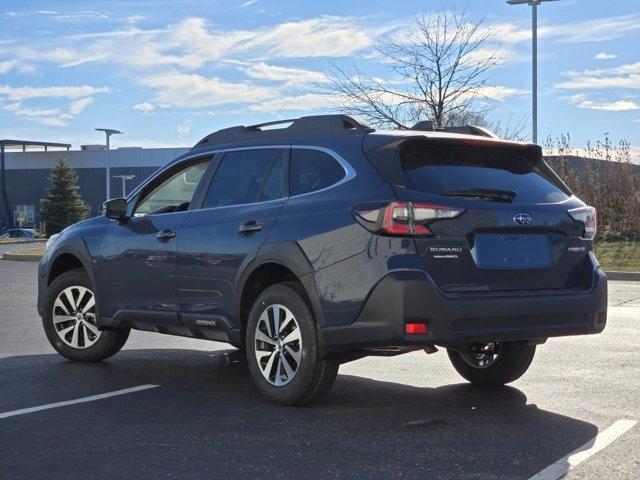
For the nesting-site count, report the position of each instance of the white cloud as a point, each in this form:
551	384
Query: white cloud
146	108
85	59
7	65
184	129
80	16
54	117
78	106
605	56
316	37
623	76
48	117
306	102
72	92
193	42
52	122
500	93
287	75
582	101
247	3
198	91
133	19
16	109
598	30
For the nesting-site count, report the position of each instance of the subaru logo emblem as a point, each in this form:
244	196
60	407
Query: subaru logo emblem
523	219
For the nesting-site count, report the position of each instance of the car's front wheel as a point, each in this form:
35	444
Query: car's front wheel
282	348
70	320
493	363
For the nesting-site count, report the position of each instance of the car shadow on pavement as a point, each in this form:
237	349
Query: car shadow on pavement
207	420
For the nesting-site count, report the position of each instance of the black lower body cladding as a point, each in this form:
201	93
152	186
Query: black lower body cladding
455	321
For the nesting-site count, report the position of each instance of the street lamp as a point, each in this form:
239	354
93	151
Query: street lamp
108	132
124	179
534	58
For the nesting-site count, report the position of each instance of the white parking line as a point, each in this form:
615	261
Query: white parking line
92	398
561	467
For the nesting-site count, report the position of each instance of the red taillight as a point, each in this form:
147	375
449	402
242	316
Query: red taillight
415	328
589	217
397	219
406	218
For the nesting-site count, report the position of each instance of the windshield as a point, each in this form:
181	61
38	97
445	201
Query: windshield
480	170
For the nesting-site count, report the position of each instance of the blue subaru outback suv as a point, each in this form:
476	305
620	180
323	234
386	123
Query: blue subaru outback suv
325	241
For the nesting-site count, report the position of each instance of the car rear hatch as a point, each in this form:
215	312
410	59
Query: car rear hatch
496	215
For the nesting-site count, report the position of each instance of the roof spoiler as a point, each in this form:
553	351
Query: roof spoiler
428	126
315	125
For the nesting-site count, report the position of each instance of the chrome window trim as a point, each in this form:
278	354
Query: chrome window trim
349	171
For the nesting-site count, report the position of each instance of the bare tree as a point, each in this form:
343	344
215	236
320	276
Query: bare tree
439	70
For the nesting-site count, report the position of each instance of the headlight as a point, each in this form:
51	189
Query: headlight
51	241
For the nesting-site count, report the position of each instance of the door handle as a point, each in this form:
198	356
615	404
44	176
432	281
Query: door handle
250	226
165	234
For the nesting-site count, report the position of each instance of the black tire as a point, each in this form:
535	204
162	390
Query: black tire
108	343
512	361
314	376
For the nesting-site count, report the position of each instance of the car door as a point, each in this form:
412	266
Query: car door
247	190
136	269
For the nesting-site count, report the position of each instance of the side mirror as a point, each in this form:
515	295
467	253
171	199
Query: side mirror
116	208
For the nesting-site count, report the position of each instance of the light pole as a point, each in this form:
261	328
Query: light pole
124	182
534	59
108	132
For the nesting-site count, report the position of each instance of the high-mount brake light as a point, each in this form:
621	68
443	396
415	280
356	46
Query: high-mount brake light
406	218
589	217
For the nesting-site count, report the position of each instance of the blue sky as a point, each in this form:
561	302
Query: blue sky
167	73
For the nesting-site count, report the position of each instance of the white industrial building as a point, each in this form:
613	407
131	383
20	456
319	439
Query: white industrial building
25	174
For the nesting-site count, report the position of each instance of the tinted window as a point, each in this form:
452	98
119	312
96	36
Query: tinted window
173	194
313	170
274	186
241	176
457	169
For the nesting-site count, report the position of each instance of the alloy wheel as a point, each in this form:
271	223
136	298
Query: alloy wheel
278	345
482	356
74	317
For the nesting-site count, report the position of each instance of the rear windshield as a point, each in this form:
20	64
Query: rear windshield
458	169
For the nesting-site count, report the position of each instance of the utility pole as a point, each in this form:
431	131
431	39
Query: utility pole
534	60
124	179
108	132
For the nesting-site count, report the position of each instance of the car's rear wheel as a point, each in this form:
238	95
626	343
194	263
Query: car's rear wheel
282	349
70	320
493	363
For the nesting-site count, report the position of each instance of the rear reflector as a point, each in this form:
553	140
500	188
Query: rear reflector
415	328
405	218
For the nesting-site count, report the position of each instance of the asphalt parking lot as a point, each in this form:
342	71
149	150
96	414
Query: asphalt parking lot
197	415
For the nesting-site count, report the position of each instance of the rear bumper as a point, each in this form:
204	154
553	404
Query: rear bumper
411	296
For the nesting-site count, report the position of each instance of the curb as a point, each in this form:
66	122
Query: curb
19	257
625	276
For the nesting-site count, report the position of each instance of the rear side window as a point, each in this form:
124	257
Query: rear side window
274	186
243	175
457	169
313	170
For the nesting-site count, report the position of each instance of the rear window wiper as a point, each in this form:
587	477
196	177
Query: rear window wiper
483	194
